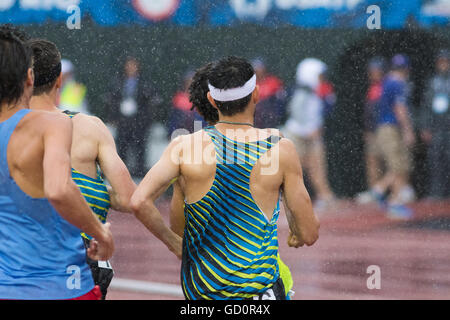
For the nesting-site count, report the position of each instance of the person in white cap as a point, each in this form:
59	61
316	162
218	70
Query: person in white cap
73	93
304	127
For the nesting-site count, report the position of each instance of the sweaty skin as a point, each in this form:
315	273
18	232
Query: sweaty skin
39	162
93	142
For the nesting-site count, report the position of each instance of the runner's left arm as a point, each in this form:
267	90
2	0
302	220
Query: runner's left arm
115	170
302	221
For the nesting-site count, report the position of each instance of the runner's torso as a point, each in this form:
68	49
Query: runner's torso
93	189
42	255
230	246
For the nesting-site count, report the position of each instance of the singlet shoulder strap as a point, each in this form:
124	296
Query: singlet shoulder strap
6	130
71	114
230	151
273	139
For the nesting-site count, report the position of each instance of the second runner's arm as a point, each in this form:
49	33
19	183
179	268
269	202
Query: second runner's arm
63	193
154	184
115	170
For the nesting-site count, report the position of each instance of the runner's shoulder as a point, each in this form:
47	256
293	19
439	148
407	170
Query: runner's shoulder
85	118
275	132
47	119
43	123
184	142
185	139
269	132
287	147
90	123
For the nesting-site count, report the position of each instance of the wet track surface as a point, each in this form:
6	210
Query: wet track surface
413	257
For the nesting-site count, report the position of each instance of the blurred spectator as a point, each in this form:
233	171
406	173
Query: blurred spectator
435	127
270	110
376	71
182	116
305	125
73	93
133	100
394	137
325	91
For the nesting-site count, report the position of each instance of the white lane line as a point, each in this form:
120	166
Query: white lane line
146	287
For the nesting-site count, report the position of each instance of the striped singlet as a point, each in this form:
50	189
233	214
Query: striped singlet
93	190
230	249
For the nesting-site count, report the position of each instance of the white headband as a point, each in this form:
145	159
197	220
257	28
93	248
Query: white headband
235	93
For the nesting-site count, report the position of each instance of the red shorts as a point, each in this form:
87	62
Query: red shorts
94	294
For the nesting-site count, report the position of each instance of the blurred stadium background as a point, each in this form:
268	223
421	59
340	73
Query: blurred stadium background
171	37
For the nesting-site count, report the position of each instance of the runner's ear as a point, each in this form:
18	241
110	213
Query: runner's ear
59	81
255	95
30	77
211	100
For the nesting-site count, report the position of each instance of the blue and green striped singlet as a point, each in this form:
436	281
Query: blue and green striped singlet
230	248
93	190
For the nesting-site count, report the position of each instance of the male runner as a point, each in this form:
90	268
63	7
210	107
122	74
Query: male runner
198	91
41	209
231	175
92	146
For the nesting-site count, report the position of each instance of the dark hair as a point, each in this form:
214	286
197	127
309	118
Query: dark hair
15	60
198	89
19	33
46	65
228	73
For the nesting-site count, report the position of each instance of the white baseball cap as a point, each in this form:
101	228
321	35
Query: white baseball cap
308	72
66	66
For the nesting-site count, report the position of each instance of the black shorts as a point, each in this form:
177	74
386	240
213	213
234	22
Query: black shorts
102	272
276	292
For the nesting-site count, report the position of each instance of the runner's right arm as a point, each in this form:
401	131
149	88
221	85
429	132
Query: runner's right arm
154	184
303	223
62	192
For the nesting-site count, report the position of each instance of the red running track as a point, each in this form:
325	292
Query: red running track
414	262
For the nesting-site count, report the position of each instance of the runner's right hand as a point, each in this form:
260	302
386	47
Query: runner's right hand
293	241
102	249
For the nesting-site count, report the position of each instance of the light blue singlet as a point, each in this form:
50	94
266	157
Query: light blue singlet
42	256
